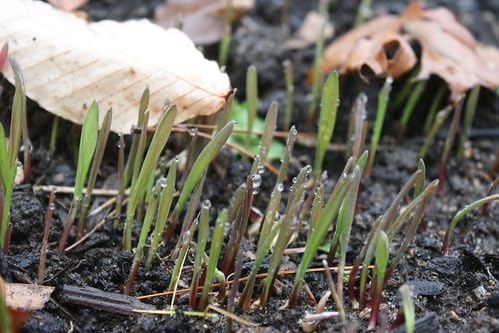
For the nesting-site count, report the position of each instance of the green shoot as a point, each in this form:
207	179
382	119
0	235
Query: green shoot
332	289
215	248
184	247
165	201
439	120
144	232
363	11
317	206
226	38
432	111
288	152
53	135
415	96
408	308
288	104
469	114
251	99
378	124
357	127
88	141
468	208
317	77
201	245
94	170
382	254
224	119
200	165
138	188
286	230
268	133
327	120
407	87
121	180
141	147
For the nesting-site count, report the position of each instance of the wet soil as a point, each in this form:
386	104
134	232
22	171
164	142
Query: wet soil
452	294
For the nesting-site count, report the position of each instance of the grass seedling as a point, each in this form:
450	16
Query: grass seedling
215	248
200	247
224	118
288	152
408	308
415	96
357	127
430	135
332	289
53	135
469	114
363	11
316	73
94	170
327	120
268	132
200	165
407	87
468	208
144	232
378	123
251	99
121	180
8	154
138	188
43	250
179	263
165	201
382	254
88	141
434	107
227	35
285	231
290	87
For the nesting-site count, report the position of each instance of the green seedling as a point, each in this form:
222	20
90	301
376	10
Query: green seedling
251	100
227	35
357	127
224	118
408	308
165	201
332	289
402	95
318	235
200	165
414	98
430	135
268	132
200	247
327	120
363	11
459	215
8	154
469	115
434	107
287	228
288	104
53	135
94	170
378	123
317	206
144	232
184	247
215	248
317	77
88	141
121	180
288	152
138	188
382	254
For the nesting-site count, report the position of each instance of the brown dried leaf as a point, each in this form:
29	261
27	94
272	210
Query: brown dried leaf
26	297
309	31
67	5
202	20
381	47
68	63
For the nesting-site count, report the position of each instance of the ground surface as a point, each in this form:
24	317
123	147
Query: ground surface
450	291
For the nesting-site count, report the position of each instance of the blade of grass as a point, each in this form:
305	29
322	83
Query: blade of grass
382	254
469	114
268	133
411	103
251	99
288	104
439	120
434	107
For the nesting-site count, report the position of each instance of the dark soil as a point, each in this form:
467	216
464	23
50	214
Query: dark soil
451	292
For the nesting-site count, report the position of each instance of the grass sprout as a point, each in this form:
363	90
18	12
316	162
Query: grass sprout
382	254
288	104
430	135
251	99
88	142
469	114
408	308
138	188
327	120
434	107
268	132
227	35
414	97
121	180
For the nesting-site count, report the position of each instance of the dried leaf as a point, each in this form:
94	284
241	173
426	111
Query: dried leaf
382	47
67	5
202	20
309	31
26	297
68	63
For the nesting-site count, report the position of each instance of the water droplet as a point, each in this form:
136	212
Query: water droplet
389	80
176	159
260	169
163	182
277	216
294	180
293	130
280	187
192	131
51	206
308	169
206	204
257	181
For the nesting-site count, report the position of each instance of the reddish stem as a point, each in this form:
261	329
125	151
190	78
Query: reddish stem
371	326
3	55
65	231
351	282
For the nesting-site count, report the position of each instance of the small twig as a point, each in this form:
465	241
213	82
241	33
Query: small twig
94	229
70	190
232	316
43	251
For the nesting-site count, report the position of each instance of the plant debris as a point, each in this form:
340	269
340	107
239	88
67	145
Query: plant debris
382	47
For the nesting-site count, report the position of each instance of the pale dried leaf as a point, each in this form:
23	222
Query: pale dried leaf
67	63
382	47
26	297
309	31
202	20
67	5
